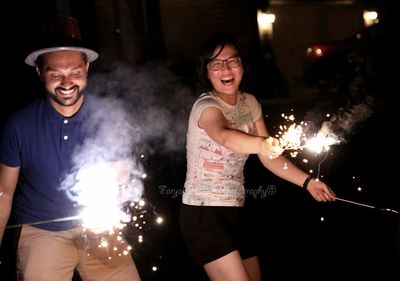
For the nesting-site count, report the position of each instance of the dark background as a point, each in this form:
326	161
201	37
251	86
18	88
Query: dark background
352	241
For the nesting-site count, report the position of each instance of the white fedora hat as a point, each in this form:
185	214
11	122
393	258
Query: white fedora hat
64	35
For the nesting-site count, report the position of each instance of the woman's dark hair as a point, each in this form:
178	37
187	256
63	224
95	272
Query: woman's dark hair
214	42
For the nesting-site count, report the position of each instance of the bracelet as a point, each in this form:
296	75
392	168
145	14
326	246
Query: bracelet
306	182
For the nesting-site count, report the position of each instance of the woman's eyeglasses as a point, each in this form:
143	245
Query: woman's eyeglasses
218	64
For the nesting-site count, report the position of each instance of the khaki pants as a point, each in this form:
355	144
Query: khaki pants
53	255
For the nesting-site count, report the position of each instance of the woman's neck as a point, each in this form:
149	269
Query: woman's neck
230	99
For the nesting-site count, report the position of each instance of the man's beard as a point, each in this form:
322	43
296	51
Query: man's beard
54	97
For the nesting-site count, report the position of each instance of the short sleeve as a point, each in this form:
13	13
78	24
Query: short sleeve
9	152
255	106
203	102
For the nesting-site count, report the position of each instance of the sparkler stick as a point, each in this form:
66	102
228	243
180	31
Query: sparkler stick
71	218
301	147
356	203
365	205
294	147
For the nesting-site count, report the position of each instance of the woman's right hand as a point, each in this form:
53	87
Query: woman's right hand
270	147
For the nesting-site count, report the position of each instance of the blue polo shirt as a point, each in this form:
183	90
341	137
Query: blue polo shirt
42	143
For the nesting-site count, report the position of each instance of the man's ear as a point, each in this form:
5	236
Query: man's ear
39	73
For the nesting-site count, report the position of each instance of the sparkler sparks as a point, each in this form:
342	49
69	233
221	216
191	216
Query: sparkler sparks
113	207
113	213
293	137
102	190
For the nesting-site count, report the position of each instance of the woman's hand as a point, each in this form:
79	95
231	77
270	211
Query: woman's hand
320	191
270	148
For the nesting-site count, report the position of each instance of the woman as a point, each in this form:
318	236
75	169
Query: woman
225	126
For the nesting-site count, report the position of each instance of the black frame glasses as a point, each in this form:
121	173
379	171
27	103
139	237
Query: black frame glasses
217	64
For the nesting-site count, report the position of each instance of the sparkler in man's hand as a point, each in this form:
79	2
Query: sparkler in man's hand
102	190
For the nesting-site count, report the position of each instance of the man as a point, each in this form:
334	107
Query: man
37	154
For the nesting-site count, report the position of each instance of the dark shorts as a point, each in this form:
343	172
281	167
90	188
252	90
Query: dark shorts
212	232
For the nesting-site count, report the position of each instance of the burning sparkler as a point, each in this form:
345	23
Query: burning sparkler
102	190
295	138
109	197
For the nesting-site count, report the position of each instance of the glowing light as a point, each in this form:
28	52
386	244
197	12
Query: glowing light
320	142
109	194
103	244
265	24
154	268
370	18
102	190
359	188
265	18
294	137
291	137
322	219
159	220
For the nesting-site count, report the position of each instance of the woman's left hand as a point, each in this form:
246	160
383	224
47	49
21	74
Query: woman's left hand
320	191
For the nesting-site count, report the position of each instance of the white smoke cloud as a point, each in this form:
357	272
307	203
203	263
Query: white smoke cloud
347	119
159	104
133	106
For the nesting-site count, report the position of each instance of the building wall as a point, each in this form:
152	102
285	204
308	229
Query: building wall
129	30
106	27
186	23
